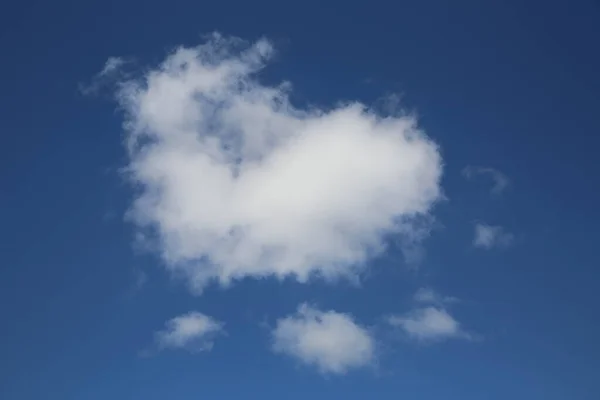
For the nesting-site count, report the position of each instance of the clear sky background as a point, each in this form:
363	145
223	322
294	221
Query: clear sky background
491	293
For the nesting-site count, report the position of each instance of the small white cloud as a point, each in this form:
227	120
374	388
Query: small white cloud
428	295
489	236
234	181
329	340
430	321
429	324
112	65
112	68
501	181
193	331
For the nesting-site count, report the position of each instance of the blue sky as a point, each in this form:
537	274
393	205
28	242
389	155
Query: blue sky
414	217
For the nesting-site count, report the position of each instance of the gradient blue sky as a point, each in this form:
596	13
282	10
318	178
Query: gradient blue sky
508	85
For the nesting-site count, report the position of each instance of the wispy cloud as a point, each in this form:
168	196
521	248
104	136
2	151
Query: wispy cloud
429	296
328	340
112	65
429	324
111	71
429	320
140	279
501	181
490	236
193	331
237	182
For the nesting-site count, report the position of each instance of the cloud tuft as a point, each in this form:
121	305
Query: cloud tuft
501	181
429	321
193	331
429	296
428	324
329	340
112	65
489	236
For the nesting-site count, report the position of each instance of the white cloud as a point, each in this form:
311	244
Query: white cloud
111	70
428	295
489	236
237	182
429	324
112	65
193	331
501	181
329	340
429	321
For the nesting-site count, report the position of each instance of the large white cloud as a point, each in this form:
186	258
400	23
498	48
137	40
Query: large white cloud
329	340
238	182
